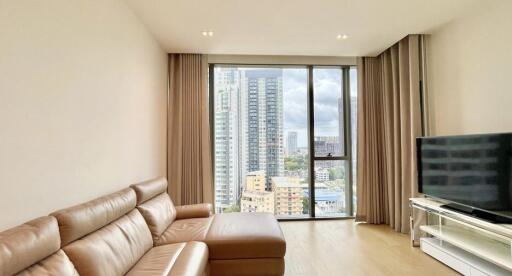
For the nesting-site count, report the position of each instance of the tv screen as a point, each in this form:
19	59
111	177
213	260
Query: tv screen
473	170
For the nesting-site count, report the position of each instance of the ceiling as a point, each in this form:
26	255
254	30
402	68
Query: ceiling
292	27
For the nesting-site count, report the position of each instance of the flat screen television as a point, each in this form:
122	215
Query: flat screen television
473	173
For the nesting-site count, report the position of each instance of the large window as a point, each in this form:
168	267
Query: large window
282	140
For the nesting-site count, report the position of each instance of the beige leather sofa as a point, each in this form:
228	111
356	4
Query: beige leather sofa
138	231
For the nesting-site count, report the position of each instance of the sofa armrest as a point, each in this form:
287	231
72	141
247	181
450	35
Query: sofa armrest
202	210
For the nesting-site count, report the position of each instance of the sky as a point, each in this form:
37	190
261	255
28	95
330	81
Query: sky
327	91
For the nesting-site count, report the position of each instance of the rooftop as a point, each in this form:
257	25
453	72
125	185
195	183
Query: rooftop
285	182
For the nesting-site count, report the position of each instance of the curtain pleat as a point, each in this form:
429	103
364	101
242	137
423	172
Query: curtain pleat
370	135
388	124
189	154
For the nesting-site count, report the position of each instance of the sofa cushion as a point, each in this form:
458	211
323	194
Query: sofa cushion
80	220
159	213
201	210
113	249
27	244
56	264
148	189
185	230
183	259
245	235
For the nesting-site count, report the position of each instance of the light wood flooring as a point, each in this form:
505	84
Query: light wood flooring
342	247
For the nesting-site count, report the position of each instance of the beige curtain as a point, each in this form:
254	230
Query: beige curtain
389	120
189	155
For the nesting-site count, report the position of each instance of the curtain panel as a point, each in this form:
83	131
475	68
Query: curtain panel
389	120
189	155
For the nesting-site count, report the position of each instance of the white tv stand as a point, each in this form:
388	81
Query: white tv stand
469	245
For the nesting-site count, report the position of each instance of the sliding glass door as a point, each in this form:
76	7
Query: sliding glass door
280	144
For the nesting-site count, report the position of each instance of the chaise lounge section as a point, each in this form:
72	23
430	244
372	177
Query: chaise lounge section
238	243
139	231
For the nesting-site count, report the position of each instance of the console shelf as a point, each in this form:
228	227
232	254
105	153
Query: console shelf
434	206
487	249
487	241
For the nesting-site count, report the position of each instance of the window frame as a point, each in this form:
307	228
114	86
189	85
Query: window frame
346	155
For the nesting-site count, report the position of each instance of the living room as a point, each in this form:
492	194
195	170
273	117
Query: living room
233	137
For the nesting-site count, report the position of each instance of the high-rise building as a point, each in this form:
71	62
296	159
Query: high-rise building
262	122
255	181
255	201
291	143
325	145
288	194
227	171
341	130
248	130
321	174
254	197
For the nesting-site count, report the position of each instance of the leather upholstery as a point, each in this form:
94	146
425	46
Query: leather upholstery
149	189
112	250
183	259
202	210
193	260
185	230
248	267
159	213
169	224
29	243
80	220
109	236
242	235
56	264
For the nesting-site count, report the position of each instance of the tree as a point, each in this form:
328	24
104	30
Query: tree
336	173
232	209
291	165
305	205
294	163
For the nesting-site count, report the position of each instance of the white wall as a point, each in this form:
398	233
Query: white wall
82	104
470	72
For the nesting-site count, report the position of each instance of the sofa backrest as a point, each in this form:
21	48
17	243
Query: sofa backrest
80	220
33	248
155	205
105	236
148	189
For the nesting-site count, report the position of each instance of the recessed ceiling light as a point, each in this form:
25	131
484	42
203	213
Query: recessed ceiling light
344	36
207	33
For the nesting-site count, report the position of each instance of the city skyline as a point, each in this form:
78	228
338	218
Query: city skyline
295	95
248	130
262	96
257	132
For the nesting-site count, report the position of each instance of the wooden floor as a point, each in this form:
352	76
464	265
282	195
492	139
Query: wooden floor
341	247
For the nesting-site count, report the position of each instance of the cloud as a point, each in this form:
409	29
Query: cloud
295	117
327	91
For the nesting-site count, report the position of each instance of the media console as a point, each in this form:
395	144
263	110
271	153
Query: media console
469	245
477	213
